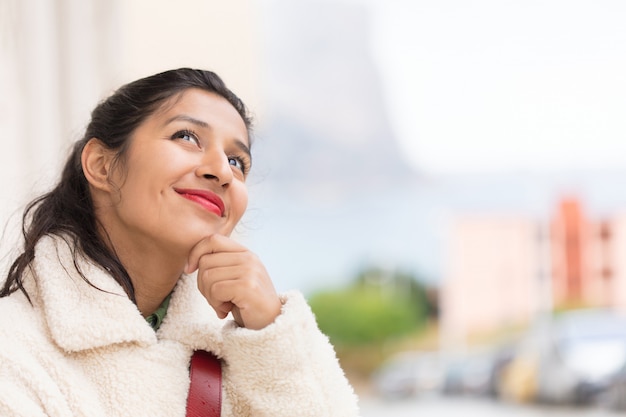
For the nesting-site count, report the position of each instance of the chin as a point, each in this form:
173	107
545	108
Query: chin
226	230
196	232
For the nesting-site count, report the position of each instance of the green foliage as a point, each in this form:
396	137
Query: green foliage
372	310
404	284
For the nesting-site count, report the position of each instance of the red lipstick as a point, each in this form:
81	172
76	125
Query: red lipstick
207	199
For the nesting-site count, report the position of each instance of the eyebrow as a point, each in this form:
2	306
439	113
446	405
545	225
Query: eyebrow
184	118
203	124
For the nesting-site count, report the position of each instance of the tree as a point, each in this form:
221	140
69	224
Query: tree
377	306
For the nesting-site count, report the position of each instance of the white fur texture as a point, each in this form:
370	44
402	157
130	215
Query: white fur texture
79	351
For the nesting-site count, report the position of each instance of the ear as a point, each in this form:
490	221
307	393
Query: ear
96	161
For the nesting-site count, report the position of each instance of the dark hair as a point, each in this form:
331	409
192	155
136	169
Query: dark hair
67	211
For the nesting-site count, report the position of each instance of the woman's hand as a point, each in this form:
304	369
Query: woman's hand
233	279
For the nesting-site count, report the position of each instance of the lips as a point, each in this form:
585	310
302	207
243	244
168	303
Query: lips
207	199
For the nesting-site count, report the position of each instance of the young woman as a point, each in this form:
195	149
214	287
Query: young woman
128	268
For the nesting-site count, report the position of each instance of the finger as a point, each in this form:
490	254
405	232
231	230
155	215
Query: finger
223	259
211	244
237	316
208	277
217	298
253	303
232	267
223	309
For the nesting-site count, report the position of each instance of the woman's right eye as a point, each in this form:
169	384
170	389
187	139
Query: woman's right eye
187	136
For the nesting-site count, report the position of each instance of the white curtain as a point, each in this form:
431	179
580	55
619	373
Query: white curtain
56	59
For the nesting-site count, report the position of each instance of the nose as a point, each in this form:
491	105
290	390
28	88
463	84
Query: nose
215	166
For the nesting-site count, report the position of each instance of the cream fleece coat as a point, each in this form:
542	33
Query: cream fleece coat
79	351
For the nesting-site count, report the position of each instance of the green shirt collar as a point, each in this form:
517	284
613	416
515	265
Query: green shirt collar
155	319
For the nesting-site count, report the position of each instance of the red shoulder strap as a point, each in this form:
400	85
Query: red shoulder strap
205	391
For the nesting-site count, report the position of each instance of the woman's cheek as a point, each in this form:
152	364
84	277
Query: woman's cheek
239	203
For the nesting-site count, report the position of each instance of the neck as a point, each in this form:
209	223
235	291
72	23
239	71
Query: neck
149	295
154	267
153	271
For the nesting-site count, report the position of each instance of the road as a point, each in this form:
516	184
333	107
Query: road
435	406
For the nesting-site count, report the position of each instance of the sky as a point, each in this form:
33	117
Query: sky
500	104
471	86
500	85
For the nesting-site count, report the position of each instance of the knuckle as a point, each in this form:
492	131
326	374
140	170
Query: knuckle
203	262
253	258
218	288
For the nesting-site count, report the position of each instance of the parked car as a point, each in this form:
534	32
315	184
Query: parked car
469	373
477	372
566	359
502	357
408	374
614	397
518	378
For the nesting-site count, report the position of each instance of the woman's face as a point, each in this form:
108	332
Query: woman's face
183	175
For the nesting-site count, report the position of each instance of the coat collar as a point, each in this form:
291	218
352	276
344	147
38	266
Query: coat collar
81	317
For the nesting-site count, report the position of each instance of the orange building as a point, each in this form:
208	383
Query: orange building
493	280
504	270
583	258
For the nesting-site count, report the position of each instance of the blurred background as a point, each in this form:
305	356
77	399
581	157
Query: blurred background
444	180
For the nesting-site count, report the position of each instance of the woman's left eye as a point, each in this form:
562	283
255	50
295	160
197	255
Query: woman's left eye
236	162
239	163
